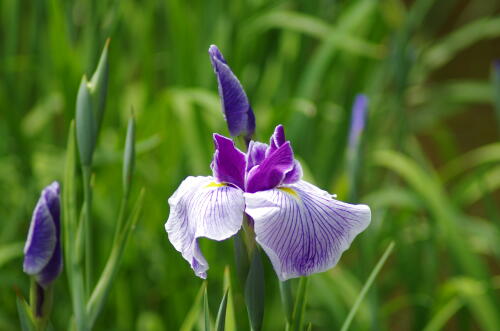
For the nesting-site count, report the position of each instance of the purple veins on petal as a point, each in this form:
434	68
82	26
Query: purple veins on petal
302	228
271	172
235	105
42	251
228	165
200	207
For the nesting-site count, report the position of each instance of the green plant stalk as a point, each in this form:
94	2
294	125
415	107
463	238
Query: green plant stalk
101	290
287	300
121	218
206	311
87	197
41	304
299	308
69	228
366	287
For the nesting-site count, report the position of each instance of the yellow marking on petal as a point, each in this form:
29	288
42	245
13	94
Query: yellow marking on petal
289	191
214	184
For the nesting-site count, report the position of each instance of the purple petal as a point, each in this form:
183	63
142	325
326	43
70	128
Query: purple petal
202	208
54	267
271	172
302	229
43	232
293	175
237	111
358	118
277	139
256	154
228	165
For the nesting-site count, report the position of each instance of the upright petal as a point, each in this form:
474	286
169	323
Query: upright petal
277	139
239	115
256	154
42	234
271	172
228	165
202	208
302	229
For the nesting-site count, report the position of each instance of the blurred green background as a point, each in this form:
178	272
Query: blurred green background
429	165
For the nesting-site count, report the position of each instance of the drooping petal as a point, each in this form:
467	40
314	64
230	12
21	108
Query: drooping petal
271	172
228	165
202	208
256	154
302	228
237	110
43	232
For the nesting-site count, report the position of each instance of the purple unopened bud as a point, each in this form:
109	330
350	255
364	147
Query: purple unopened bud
358	118
42	251
235	105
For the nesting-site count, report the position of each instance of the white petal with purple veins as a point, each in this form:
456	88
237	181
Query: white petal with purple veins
302	229
203	208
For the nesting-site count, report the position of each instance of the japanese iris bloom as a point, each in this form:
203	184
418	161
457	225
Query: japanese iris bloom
42	251
302	228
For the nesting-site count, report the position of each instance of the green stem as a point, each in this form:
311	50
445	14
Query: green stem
87	196
41	304
121	217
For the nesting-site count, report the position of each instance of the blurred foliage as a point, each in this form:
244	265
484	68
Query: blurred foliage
430	155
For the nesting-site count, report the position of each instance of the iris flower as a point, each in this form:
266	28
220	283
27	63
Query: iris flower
42	251
302	228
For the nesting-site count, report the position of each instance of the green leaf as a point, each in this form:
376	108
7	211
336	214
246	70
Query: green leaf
366	287
10	251
98	87
241	256
495	82
220	322
230	318
69	228
206	310
487	154
101	290
286	299
446	49
254	292
25	317
194	312
299	307
85	123
129	156
443	315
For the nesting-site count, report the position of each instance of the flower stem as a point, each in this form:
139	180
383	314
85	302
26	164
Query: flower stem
87	196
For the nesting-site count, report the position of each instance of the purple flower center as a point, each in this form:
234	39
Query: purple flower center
262	168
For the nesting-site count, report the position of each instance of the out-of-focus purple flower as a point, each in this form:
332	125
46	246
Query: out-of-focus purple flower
358	119
42	251
235	105
302	228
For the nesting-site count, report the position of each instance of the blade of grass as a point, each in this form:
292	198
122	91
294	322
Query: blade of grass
220	322
366	287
